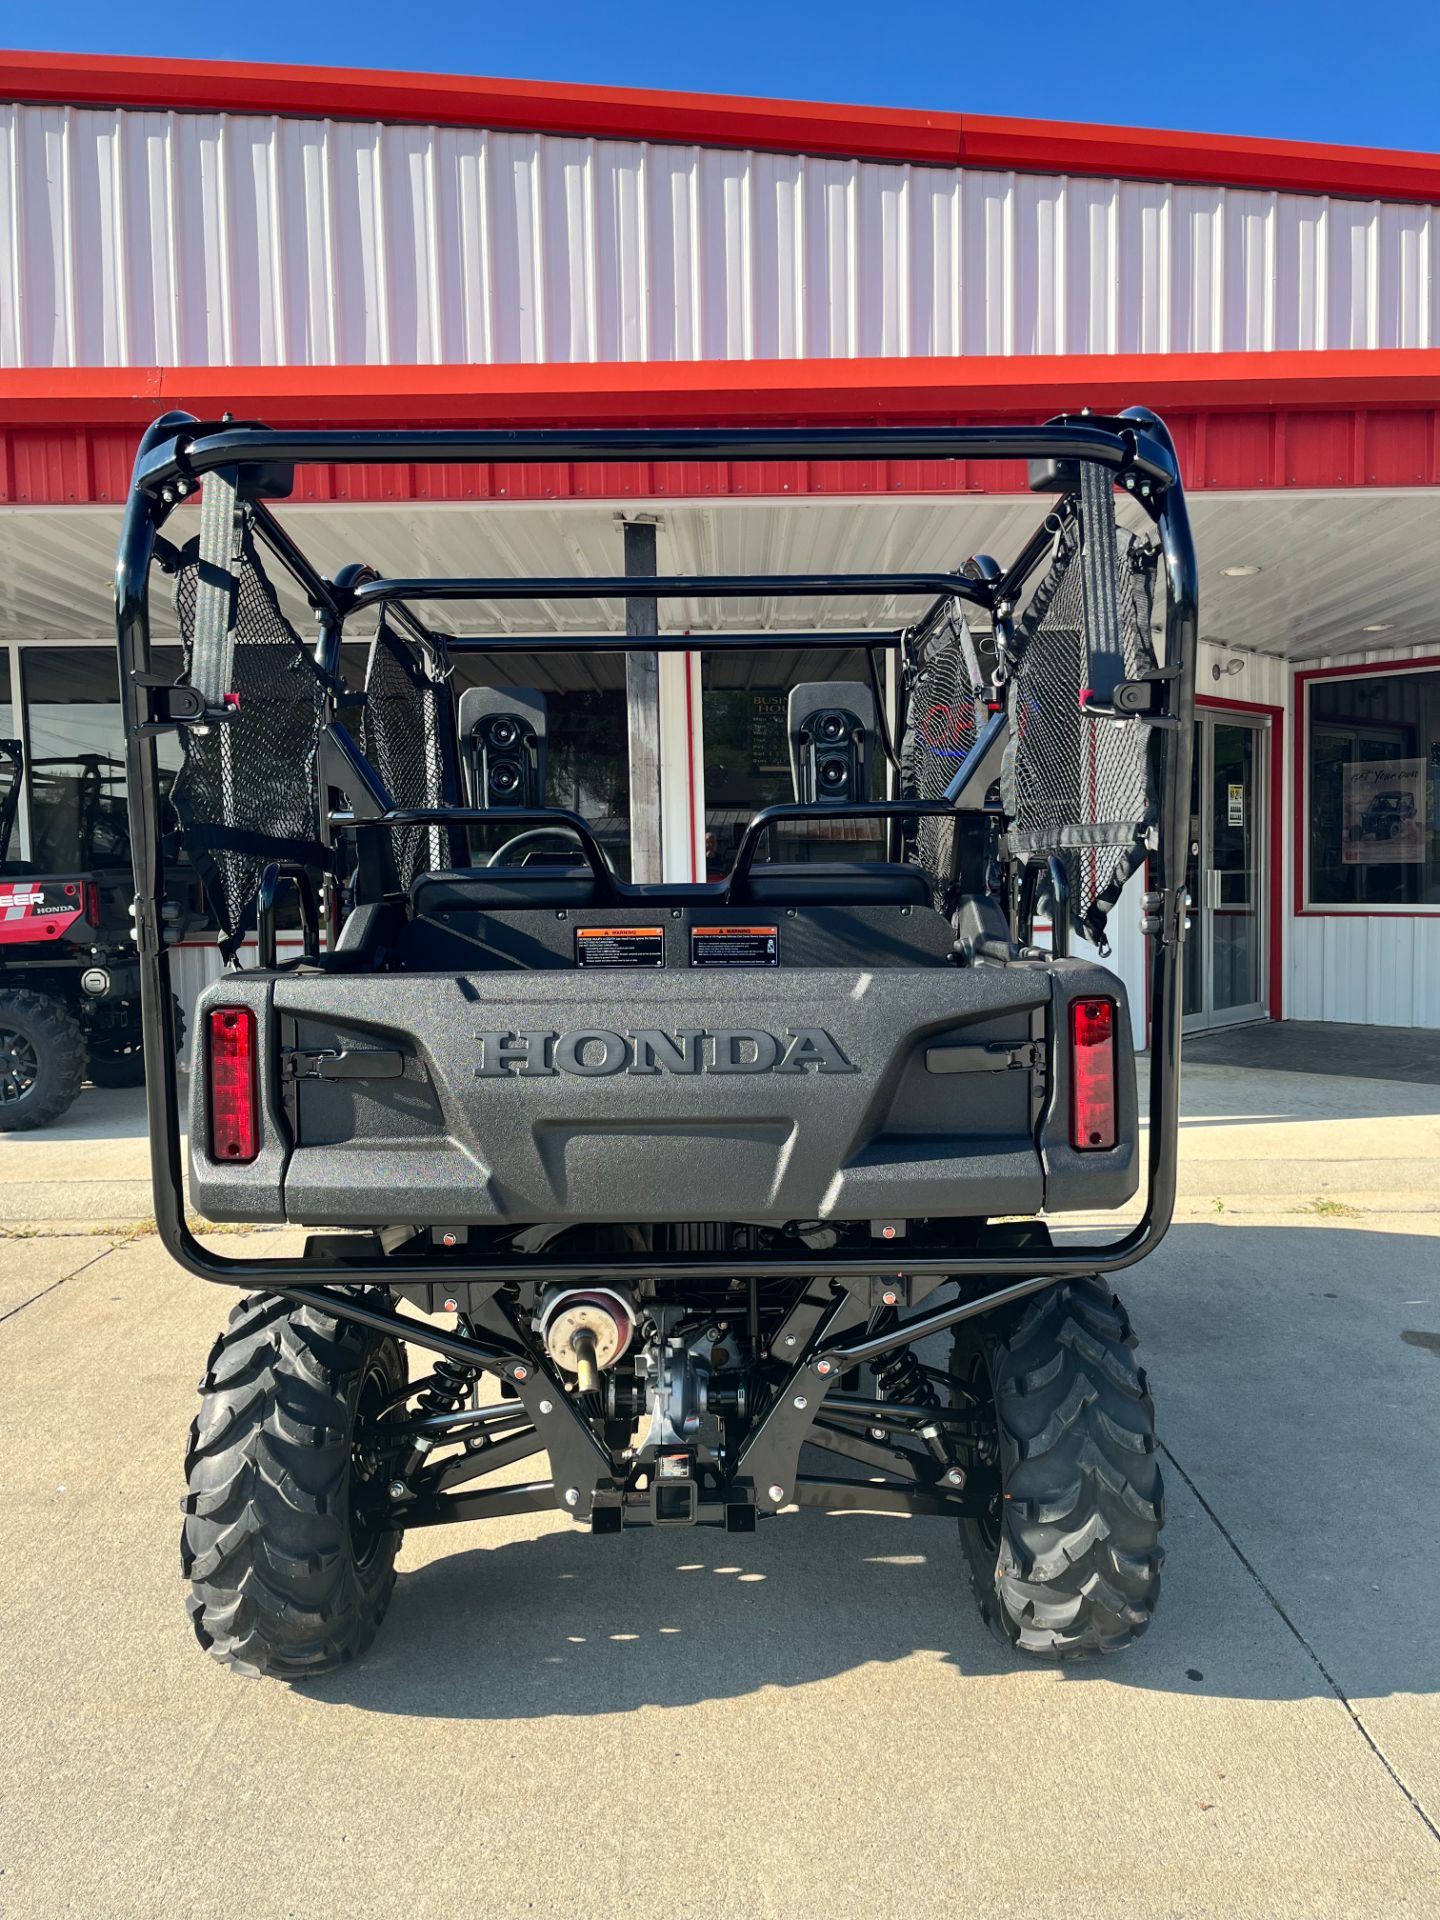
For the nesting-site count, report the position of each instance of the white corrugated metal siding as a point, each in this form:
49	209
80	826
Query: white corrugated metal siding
1377	969
130	238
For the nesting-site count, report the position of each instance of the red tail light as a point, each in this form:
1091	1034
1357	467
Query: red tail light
234	1119
1092	1075
92	903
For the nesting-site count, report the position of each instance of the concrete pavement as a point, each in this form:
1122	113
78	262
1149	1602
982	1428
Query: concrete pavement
811	1720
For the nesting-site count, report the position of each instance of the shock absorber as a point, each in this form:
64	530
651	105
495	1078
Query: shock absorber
900	1377
445	1392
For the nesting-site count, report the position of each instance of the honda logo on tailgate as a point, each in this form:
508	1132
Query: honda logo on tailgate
594	1051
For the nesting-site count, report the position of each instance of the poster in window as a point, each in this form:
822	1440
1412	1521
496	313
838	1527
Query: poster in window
769	734
1385	812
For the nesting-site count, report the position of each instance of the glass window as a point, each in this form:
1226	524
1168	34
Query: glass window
745	697
587	747
77	759
1373	790
79	818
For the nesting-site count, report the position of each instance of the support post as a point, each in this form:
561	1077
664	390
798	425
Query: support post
642	705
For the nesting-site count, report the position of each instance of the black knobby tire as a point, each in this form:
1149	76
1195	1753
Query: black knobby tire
114	1066
42	1060
1068	1559
117	1069
285	1576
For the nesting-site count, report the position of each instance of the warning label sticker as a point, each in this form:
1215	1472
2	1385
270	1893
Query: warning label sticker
735	946
619	946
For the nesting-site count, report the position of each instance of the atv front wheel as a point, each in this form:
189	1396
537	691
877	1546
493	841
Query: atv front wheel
1067	1559
42	1060
288	1575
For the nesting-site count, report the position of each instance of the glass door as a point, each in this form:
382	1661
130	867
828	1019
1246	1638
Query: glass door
1225	953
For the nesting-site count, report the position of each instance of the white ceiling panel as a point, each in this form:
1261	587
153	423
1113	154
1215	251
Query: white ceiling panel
1331	565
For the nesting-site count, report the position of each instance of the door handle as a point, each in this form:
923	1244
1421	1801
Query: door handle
1212	887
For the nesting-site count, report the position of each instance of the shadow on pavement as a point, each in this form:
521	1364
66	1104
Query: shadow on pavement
1288	1392
564	1624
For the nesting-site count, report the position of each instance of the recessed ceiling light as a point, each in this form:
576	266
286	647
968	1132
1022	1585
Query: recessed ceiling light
1238	573
1382	626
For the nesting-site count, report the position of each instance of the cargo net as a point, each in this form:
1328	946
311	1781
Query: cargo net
945	710
1077	783
407	735
247	794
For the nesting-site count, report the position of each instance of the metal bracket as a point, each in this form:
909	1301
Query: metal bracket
172	707
770	1457
1163	915
343	765
1134	699
580	1466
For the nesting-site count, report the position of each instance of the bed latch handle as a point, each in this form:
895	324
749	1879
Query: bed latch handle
1000	1056
332	1063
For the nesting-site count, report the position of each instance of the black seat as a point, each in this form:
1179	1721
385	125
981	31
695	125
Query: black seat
850	883
835	883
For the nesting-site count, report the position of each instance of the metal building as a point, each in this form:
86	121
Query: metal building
299	245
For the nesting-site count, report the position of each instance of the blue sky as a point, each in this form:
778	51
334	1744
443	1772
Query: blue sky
1355	73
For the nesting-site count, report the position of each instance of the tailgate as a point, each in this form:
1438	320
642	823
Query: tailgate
802	1094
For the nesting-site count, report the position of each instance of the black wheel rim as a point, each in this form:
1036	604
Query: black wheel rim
19	1065
367	1463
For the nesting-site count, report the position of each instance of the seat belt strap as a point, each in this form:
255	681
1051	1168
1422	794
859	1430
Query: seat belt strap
1104	648
217	586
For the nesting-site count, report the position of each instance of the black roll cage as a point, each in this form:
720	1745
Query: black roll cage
175	454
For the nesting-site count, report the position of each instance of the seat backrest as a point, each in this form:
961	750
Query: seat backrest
851	883
489	889
838	883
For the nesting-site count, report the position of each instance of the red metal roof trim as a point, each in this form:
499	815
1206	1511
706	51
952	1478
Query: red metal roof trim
1241	421
737	392
721	120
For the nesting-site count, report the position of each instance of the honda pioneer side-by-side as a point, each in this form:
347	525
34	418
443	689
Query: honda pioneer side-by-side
666	1187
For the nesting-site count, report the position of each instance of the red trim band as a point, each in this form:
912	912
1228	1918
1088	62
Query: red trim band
1242	421
738	392
721	120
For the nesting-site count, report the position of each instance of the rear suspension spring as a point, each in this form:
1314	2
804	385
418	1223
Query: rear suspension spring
445	1392
900	1377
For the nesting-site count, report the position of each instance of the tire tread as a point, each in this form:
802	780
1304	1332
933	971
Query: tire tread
265	1540
1079	1560
62	1063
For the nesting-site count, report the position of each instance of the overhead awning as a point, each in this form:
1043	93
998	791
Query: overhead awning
1338	573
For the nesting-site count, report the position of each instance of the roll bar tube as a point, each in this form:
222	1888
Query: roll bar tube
192	453
177	450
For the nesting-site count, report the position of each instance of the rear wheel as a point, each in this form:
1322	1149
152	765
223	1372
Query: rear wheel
116	1060
288	1574
42	1060
1067	1559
